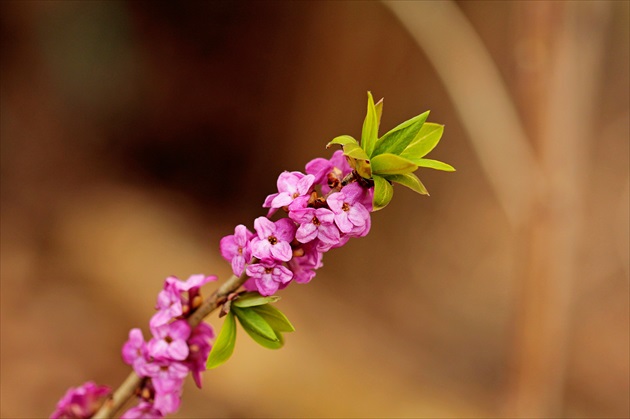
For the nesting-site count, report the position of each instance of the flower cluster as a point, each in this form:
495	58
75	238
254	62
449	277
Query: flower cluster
174	350
81	402
323	213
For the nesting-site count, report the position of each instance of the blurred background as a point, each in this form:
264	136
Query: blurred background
136	134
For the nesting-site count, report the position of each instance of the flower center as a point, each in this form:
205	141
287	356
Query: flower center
316	221
295	195
272	240
345	207
168	339
268	271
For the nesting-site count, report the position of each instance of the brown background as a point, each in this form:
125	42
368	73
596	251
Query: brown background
135	135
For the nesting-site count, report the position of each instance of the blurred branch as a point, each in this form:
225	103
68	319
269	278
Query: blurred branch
553	246
543	198
480	98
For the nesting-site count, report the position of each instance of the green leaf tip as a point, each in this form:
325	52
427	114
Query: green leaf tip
369	134
251	299
391	164
397	140
224	345
264	324
249	318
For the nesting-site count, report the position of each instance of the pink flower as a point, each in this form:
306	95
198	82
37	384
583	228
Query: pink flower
326	171
200	344
268	276
273	241
177	298
168	401
316	224
169	341
351	216
134	351
303	267
81	402
236	249
144	410
291	185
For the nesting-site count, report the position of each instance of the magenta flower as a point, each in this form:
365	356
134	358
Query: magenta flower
268	276
236	249
316	224
134	351
144	410
168	402
273	241
169	305
304	266
169	341
199	344
291	185
177	298
81	402
351	216
326	171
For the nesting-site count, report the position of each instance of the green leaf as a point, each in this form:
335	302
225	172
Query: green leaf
383	193
409	180
426	140
379	112
342	140
434	164
396	140
250	299
355	151
362	167
391	164
369	134
275	318
254	321
224	345
277	343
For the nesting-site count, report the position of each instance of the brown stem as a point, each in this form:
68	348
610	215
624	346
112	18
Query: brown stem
128	388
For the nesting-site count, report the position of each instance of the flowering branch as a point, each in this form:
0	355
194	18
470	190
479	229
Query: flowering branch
130	386
325	208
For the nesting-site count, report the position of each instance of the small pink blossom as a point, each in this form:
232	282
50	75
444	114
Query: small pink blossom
304	266
144	410
351	216
168	402
291	185
268	276
316	224
320	168
236	249
177	297
200	344
81	402
169	341
274	239
325	171
166	375
134	351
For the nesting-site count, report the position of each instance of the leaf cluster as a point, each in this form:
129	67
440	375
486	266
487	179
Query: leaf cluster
393	157
264	323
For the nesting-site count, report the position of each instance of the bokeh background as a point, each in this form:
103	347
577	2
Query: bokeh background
136	134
